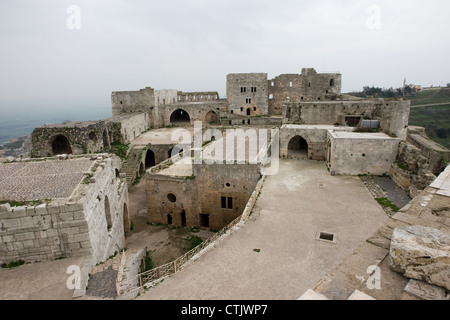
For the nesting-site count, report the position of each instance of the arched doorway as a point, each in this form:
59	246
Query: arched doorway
180	117
174	151
149	159
61	145
298	148
248	111
169	219
211	117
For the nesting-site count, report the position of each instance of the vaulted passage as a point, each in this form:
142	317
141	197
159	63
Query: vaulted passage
149	159
297	147
61	145
180	117
211	117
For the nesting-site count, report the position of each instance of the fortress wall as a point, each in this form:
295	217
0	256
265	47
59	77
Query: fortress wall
197	96
306	86
83	137
67	227
132	101
43	232
393	115
104	204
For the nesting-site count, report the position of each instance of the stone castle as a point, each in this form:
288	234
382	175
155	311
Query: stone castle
71	196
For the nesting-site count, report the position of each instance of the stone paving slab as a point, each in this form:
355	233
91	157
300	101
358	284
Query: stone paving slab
28	181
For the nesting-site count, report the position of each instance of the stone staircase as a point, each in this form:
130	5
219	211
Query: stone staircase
131	164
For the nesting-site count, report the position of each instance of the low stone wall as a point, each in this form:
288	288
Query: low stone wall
43	232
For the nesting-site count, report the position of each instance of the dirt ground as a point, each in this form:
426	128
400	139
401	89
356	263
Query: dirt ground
164	243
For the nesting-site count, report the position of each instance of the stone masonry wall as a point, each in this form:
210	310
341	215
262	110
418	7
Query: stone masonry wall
201	194
364	155
71	226
248	91
393	115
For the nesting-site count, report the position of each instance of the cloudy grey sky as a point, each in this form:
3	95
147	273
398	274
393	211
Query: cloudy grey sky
191	45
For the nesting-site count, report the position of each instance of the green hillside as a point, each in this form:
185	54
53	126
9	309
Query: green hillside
435	119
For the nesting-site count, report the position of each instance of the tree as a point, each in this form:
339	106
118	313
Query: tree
441	133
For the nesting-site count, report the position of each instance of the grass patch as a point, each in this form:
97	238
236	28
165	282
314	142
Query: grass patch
148	261
119	149
194	241
385	202
195	229
13	264
32	203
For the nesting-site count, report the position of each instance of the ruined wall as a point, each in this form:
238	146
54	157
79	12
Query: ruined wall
438	157
132	101
82	137
361	153
247	94
411	170
197	96
393	115
306	86
165	97
201	194
131	126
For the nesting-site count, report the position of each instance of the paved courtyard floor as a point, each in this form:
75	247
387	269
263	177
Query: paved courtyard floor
276	255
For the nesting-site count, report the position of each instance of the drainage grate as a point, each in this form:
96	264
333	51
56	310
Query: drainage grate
326	236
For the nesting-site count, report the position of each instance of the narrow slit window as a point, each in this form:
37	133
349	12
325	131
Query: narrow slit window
230	203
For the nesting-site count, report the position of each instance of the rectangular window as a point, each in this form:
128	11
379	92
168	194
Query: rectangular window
253	89
242	109
248	100
243	89
230	203
254	108
224	202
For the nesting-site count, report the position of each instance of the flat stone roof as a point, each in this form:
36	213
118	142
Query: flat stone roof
360	135
160	136
34	180
317	126
181	168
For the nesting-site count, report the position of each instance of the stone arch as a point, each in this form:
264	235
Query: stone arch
108	214
211	116
61	145
174	151
149	159
180	116
92	136
298	147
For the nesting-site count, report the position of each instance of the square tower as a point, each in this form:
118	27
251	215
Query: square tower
247	94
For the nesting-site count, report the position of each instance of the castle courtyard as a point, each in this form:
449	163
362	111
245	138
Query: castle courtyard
295	204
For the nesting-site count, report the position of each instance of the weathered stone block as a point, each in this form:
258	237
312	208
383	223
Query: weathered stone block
421	253
24	236
11	223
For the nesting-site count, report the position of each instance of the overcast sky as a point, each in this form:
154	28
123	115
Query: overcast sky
191	45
